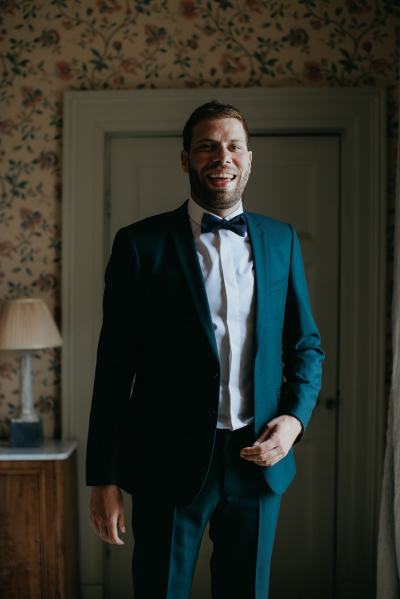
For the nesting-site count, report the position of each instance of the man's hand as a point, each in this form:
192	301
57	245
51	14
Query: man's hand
107	512
274	442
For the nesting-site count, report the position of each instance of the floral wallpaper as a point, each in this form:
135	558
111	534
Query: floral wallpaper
49	46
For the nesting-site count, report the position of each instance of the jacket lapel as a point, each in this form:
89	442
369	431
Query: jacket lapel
187	256
260	245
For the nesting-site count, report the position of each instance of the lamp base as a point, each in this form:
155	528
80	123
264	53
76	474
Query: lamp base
26	434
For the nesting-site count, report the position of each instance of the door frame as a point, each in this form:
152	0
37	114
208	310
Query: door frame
358	116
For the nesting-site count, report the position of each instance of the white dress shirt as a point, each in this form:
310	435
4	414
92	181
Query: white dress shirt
228	270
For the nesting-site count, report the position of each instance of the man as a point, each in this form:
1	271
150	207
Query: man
208	369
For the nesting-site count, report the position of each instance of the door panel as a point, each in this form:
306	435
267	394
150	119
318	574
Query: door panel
294	179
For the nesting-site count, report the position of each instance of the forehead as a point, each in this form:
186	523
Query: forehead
224	128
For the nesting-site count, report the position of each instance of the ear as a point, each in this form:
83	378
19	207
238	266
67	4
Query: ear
185	161
250	160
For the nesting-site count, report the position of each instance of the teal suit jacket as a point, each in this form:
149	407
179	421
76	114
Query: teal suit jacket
156	387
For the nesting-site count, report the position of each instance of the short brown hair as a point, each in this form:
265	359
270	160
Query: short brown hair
211	110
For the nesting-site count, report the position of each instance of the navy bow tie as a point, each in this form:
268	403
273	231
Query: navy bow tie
210	224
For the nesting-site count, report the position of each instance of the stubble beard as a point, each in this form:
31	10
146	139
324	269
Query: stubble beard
214	198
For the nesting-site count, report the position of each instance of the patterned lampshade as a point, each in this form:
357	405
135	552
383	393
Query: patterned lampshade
27	324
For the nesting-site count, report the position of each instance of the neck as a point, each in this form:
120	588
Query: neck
222	212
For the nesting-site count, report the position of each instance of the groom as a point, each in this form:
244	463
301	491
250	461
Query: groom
208	369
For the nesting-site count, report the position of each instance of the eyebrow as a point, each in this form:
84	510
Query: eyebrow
202	139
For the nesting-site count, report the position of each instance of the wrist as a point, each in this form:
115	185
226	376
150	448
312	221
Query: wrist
295	423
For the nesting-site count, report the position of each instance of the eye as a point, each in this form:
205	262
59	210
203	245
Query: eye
204	146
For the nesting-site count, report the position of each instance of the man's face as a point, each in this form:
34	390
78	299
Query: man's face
218	163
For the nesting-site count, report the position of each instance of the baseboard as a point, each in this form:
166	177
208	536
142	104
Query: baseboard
91	591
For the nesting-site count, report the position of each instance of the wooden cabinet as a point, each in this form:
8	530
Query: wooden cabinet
39	522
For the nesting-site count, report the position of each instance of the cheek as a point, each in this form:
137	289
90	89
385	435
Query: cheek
196	164
202	167
243	165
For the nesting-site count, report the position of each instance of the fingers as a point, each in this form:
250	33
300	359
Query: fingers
265	453
274	442
107	513
114	533
257	447
265	459
121	521
107	531
270	459
99	529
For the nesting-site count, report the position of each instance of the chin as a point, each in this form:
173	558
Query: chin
215	198
222	200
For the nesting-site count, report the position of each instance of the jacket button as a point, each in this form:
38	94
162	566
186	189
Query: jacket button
215	376
212	412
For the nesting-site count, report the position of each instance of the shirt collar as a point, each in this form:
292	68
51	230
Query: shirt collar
196	212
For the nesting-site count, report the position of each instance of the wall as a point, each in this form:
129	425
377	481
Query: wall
48	47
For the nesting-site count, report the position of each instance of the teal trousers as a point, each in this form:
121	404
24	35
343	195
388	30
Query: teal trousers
243	514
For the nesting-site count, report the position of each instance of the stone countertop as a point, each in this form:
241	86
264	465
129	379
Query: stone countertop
50	450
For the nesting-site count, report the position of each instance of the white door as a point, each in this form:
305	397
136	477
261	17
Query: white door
295	179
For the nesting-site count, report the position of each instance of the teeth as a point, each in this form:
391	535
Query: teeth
230	177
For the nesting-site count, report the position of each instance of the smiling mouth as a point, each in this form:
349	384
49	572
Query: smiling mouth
222	178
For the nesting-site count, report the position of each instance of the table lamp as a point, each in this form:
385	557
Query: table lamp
25	325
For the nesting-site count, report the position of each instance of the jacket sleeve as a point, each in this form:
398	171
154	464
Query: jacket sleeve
302	353
115	364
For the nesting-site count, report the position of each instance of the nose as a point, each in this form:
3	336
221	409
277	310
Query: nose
222	154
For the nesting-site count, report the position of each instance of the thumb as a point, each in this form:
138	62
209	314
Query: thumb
264	435
121	521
